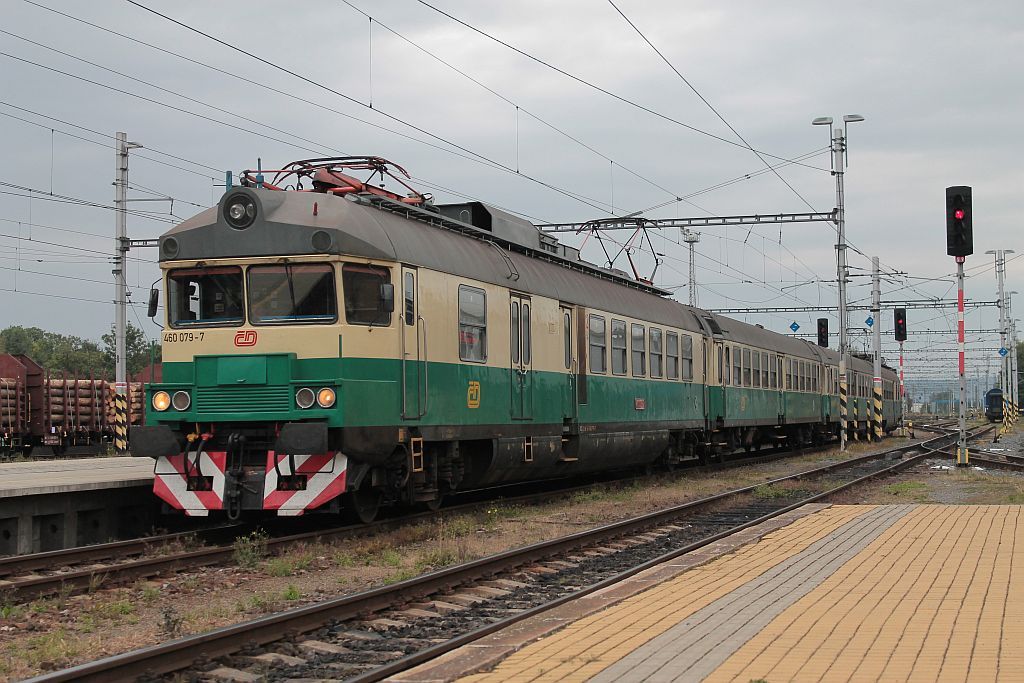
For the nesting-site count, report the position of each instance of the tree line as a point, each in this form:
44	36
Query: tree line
77	356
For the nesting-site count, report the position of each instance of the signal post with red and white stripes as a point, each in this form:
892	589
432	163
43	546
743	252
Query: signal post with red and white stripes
960	245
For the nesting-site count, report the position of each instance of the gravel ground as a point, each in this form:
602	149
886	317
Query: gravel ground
62	631
937	480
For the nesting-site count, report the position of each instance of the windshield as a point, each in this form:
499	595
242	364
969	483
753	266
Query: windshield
205	296
292	293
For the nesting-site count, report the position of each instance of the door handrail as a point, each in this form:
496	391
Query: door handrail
422	324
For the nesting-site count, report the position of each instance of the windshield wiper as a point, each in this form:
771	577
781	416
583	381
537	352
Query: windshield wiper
291	286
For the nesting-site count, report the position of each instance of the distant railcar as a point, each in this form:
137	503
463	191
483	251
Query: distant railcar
994	405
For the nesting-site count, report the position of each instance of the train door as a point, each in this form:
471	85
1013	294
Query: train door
521	357
781	390
414	349
569	402
716	388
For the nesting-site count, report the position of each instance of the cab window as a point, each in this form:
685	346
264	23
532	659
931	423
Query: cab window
205	296
362	294
292	293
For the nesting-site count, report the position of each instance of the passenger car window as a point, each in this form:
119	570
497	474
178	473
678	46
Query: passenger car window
687	357
639	351
618	347
598	344
672	356
656	353
472	324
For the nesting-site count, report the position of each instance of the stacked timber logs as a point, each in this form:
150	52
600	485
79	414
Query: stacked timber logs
136	403
75	402
12	405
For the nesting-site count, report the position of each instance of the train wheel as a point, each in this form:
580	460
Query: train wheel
364	504
434	504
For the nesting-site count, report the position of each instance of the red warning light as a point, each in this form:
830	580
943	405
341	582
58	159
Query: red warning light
959	214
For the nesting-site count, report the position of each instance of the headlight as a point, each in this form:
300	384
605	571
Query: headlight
240	211
304	398
325	397
161	401
181	400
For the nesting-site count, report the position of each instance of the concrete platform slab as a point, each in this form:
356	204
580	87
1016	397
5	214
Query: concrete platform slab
59	476
54	504
901	593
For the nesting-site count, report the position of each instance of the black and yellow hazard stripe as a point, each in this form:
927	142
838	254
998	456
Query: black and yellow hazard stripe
843	413
121	423
876	414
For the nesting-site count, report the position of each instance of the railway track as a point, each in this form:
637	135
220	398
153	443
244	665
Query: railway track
85	568
378	633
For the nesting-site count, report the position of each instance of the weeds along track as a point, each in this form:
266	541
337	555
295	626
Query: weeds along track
86	568
378	633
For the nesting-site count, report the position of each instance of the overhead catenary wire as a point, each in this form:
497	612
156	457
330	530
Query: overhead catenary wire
710	106
135	155
574	195
589	84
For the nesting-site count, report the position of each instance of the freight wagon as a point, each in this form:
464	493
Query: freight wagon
54	413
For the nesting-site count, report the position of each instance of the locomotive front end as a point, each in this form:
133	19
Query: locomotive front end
250	414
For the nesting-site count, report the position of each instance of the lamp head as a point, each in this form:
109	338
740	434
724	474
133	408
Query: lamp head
852	118
822	121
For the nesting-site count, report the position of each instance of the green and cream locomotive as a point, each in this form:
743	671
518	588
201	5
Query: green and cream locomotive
339	347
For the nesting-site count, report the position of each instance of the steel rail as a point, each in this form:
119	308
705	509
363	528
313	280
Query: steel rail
183	652
89	577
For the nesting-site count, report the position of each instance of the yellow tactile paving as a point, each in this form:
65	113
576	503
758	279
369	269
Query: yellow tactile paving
590	645
939	596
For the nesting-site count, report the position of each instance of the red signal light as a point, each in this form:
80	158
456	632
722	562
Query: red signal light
958	214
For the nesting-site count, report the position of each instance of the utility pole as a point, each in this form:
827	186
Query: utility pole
838	144
838	147
691	238
121	246
876	313
1004	375
1012	355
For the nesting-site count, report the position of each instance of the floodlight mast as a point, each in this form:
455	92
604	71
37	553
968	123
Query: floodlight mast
838	147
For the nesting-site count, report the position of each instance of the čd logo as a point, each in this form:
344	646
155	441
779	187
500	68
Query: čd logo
245	338
473	395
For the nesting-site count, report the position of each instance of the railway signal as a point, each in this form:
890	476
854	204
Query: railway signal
960	244
959	222
900	324
823	332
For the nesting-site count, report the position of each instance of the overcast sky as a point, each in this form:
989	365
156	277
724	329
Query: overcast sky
939	84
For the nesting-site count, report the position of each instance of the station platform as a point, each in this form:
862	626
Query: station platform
829	593
55	504
61	476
